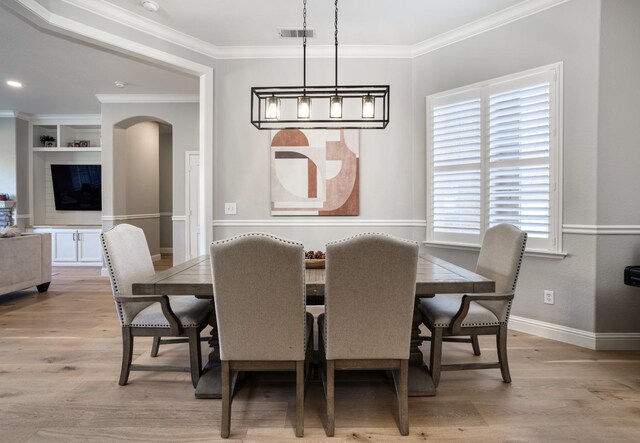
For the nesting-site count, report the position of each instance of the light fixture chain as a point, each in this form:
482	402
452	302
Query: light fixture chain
304	45
336	39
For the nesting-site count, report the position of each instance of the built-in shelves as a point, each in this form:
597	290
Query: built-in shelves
66	136
74	140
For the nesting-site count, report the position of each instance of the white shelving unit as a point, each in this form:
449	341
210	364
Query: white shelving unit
75	234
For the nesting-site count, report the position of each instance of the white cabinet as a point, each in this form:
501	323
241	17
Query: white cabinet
74	246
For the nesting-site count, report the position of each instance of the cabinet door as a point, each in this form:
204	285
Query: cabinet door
89	249
64	246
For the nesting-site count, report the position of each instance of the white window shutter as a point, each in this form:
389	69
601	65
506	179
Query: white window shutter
493	157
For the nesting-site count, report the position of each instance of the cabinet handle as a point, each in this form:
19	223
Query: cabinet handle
74	236
79	238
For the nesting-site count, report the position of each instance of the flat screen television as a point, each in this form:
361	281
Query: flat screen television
77	187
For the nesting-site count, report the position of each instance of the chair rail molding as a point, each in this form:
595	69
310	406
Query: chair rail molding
323	223
601	229
130	217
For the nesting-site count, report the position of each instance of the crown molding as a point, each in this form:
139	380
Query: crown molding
148	98
92	34
143	24
69	119
488	23
8	114
166	33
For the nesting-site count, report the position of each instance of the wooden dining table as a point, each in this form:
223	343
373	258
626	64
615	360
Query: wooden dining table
434	276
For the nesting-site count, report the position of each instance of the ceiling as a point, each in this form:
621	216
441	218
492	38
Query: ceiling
62	75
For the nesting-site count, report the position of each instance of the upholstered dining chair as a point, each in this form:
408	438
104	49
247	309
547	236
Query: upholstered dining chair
370	286
128	259
455	315
259	287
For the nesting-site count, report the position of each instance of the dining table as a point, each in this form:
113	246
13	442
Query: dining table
434	276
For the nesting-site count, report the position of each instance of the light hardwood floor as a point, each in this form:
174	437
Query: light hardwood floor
60	359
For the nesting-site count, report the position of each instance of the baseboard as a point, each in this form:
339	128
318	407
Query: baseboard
166	250
156	257
603	341
618	342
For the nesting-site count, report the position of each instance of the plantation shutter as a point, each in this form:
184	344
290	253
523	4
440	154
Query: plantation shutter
456	157
519	151
492	158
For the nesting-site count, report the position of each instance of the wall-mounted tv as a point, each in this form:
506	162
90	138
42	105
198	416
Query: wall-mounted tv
77	187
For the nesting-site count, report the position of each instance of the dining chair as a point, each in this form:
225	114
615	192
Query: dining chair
370	285
259	287
127	257
450	316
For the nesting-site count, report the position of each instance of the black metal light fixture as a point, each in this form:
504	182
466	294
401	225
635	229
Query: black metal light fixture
334	107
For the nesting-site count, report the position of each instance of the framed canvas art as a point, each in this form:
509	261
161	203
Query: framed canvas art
315	172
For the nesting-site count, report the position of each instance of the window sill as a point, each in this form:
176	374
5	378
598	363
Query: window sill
468	247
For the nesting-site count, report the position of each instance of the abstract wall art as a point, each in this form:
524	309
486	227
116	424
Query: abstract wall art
315	172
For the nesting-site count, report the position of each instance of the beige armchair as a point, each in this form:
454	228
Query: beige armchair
369	299
455	315
128	260
258	282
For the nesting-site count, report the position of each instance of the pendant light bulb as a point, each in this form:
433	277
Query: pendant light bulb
272	111
304	107
335	107
368	106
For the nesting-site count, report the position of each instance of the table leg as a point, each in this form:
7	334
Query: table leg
420	382
210	383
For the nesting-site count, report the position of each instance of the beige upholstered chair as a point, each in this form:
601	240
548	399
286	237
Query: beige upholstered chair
128	260
369	299
454	315
258	282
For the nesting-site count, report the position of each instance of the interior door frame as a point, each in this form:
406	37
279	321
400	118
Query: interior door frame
187	203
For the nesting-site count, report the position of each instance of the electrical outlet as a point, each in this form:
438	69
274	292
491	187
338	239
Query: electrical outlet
548	297
230	209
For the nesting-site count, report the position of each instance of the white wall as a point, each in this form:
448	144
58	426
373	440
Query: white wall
242	162
22	172
567	33
8	156
166	191
618	177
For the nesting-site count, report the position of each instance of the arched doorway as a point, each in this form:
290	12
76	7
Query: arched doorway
143	179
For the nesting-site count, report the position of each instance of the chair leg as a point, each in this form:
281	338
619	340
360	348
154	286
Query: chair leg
300	398
331	418
155	346
403	398
435	358
127	354
195	355
475	345
225	426
501	343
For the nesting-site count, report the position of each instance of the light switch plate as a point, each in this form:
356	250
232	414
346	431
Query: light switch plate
230	209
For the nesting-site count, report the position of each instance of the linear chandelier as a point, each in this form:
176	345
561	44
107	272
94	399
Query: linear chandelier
320	107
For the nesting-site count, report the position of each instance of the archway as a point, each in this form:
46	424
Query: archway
142	177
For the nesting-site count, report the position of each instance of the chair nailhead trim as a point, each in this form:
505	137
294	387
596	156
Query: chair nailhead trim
112	276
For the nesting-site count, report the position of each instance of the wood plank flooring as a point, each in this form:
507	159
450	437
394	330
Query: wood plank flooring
60	359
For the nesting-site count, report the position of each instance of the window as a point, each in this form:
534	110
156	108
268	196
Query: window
493	156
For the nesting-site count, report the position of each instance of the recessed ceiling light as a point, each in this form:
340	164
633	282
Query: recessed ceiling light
14	84
150	5
119	84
